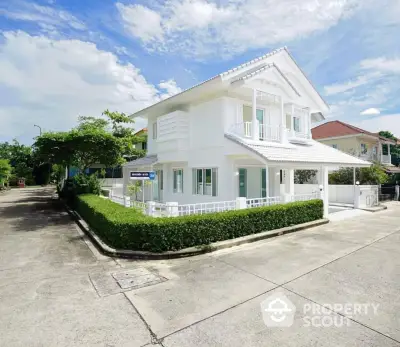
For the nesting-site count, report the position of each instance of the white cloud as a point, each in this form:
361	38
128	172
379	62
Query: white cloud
170	88
390	122
201	28
382	64
141	21
349	85
370	112
44	16
50	82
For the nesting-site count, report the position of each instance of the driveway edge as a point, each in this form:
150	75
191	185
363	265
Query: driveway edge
186	252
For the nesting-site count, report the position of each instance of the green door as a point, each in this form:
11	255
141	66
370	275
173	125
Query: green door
263	184
243	183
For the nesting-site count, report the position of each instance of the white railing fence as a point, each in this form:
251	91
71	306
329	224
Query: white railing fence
264	201
208	207
306	197
173	209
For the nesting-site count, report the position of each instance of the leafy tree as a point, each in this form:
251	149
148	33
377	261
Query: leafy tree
5	171
304	176
374	174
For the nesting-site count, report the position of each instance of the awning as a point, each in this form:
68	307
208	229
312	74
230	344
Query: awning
145	161
392	169
311	153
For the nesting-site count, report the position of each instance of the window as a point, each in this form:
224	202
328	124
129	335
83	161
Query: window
335	146
154	130
144	146
296	124
205	181
364	148
178	180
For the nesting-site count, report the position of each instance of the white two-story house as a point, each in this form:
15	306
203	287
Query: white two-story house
241	133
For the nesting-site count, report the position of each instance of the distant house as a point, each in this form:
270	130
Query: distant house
356	141
142	145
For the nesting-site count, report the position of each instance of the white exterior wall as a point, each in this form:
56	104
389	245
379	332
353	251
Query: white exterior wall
337	193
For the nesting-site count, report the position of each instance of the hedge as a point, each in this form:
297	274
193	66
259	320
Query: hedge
128	228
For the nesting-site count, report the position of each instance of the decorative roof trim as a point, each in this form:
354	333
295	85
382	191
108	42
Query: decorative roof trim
267	67
256	60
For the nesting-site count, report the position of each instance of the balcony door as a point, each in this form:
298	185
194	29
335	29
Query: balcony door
248	117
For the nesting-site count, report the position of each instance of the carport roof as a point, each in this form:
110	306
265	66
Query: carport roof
145	161
312	153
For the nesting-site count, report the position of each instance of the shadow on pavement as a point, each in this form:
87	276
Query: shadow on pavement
32	211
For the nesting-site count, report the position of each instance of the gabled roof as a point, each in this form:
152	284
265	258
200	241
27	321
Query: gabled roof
141	131
145	161
337	128
312	153
263	68
217	82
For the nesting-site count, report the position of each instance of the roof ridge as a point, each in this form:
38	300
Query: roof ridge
255	60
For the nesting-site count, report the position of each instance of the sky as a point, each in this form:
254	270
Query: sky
61	59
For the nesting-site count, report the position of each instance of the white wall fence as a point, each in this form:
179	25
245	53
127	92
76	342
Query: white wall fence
366	196
173	209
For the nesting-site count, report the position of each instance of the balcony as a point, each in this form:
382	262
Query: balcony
270	133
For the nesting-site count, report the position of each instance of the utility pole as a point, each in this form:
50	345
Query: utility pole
40	128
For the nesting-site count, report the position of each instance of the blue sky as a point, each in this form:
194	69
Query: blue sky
63	58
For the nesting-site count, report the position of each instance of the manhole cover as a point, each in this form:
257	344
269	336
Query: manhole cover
136	278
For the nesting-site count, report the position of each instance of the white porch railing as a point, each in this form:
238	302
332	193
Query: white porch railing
305	197
386	159
173	209
139	204
274	200
207	207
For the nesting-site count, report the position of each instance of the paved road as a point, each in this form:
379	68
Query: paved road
55	290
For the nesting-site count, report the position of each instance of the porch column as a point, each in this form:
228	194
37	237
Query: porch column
309	124
390	159
165	192
254	122
380	152
289	184
325	187
267	181
282	129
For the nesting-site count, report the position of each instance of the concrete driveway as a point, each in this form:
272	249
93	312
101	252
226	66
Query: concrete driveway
56	290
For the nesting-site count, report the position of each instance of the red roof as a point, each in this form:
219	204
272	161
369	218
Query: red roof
144	131
337	128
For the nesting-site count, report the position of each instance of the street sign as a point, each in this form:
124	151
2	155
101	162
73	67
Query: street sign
142	175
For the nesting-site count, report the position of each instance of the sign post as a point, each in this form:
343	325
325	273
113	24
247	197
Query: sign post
142	176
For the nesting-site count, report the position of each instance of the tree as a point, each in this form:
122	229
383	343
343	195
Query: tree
5	171
374	174
304	176
394	149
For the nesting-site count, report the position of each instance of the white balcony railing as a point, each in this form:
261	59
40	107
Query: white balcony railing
386	159
269	132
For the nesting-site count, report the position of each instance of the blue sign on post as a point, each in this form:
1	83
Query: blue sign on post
142	175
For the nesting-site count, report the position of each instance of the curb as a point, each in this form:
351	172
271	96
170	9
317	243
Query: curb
186	252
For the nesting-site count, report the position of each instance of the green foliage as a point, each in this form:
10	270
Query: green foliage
94	141
87	184
5	171
137	187
369	175
304	176
128	228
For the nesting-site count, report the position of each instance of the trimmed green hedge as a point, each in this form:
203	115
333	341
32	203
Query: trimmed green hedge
127	228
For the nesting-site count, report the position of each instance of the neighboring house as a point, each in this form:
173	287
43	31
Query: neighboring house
355	141
142	145
241	133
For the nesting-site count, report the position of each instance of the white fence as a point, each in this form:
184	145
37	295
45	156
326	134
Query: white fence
367	196
173	209
337	193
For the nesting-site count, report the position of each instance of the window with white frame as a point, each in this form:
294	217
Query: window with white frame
155	130
177	180
205	181
334	146
364	148
296	124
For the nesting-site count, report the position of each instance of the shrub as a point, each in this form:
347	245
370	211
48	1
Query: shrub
128	228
